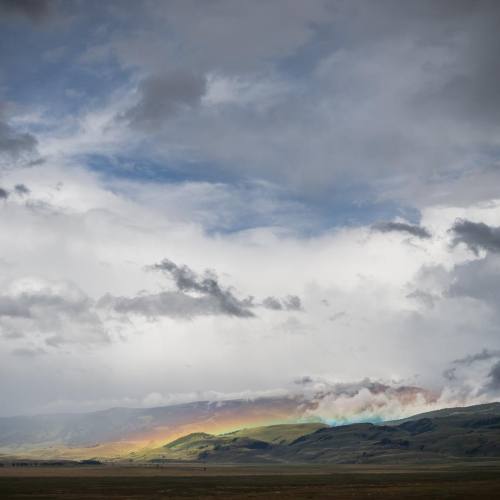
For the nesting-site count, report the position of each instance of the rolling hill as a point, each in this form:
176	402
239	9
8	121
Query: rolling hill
232	432
444	435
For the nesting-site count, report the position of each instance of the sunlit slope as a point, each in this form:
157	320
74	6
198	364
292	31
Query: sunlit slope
236	445
277	434
448	436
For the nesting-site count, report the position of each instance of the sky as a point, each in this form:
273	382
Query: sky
207	200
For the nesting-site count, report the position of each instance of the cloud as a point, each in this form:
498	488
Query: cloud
209	298
272	303
494	378
208	285
21	189
172	304
4	194
289	303
57	312
27	352
161	96
196	295
34	10
476	235
365	400
484	355
14	144
414	230
442	65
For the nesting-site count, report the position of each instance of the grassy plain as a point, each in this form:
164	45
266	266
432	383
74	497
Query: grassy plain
181	481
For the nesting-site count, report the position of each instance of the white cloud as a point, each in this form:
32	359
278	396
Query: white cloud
78	239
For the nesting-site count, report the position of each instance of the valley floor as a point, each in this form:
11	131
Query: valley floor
459	481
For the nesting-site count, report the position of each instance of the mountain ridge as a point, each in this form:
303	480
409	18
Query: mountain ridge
471	431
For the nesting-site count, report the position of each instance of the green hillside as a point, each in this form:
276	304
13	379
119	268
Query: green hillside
278	434
251	444
444	436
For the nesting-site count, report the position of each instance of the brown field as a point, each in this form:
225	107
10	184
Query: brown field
481	481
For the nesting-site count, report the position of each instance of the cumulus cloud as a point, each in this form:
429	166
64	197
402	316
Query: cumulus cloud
412	229
476	235
365	400
161	96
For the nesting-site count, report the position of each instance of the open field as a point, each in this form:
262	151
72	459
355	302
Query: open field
471	480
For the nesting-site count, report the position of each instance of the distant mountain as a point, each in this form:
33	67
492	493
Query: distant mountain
117	431
445	435
238	432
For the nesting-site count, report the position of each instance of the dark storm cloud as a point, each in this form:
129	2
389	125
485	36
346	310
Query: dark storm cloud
35	10
161	96
13	144
484	355
4	194
476	235
402	227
